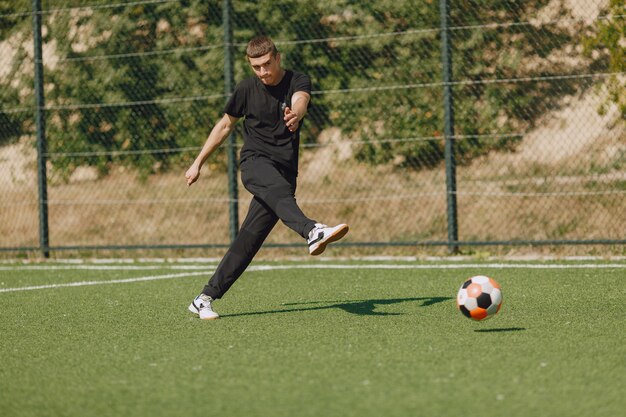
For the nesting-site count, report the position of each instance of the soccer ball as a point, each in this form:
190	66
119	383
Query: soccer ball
479	298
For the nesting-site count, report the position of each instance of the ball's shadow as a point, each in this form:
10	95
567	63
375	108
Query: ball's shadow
501	330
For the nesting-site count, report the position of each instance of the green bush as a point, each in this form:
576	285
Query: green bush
376	68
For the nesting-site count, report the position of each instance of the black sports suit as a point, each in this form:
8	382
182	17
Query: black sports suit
269	167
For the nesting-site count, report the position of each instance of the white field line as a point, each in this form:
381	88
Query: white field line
101	267
325	259
435	266
113	281
260	268
18	267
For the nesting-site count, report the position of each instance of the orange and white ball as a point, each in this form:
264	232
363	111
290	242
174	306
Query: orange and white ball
479	298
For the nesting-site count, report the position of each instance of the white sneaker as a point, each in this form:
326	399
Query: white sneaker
201	305
322	235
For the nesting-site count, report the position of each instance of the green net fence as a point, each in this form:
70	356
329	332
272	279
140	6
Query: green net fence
131	90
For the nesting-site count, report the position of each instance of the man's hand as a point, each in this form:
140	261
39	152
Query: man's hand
291	120
218	134
192	174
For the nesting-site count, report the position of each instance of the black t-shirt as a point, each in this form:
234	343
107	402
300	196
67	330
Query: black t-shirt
264	129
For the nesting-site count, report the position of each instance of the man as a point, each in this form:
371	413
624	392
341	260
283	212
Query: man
273	103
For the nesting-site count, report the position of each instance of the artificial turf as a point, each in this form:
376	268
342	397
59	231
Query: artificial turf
358	341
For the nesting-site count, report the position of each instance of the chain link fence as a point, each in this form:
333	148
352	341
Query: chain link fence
509	129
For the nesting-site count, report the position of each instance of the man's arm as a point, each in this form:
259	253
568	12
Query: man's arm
218	134
299	103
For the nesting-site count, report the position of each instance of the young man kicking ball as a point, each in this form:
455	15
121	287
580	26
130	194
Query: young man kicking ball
273	103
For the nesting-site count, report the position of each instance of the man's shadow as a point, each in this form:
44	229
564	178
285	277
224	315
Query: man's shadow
359	307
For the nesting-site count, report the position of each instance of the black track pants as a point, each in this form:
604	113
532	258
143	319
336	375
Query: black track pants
274	190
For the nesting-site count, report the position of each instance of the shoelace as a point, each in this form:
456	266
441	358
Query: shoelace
205	303
313	233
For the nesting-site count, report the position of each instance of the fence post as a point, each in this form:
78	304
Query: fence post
448	100
41	132
229	86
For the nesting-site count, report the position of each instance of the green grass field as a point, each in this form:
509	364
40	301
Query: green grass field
348	339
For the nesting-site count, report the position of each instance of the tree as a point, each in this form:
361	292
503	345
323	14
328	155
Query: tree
609	42
136	73
15	21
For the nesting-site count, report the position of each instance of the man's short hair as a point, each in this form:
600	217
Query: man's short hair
259	46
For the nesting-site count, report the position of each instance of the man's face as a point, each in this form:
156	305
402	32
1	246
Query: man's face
267	68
